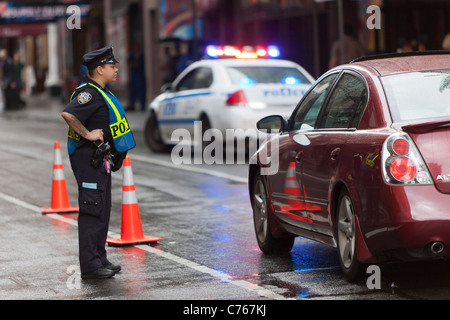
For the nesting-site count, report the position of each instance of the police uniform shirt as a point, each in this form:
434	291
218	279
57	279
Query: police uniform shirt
90	108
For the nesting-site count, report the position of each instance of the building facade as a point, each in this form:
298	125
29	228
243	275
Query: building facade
304	30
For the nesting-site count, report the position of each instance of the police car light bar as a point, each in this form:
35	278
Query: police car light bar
242	53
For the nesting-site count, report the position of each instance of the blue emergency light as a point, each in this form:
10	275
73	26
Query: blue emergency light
273	51
291	80
242	52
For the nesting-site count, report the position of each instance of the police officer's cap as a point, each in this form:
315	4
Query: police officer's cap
99	57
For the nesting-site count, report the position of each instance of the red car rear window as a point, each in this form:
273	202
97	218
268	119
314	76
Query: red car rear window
418	95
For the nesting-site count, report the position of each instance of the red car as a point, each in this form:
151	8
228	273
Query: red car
363	164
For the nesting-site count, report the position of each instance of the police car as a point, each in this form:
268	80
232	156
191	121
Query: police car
232	89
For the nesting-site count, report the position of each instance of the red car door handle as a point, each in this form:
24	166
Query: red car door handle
299	156
335	153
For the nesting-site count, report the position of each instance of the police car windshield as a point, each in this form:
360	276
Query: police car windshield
254	75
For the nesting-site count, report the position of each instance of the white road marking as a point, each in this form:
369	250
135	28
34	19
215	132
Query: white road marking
223	277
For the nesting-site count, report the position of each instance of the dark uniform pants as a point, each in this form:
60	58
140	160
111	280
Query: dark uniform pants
94	200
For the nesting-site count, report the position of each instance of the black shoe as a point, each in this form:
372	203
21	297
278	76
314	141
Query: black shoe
113	267
100	273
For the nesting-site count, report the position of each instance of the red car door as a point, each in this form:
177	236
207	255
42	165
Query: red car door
328	148
287	185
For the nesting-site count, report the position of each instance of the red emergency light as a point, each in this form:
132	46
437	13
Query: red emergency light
245	52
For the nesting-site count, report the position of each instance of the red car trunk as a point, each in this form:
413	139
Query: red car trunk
433	142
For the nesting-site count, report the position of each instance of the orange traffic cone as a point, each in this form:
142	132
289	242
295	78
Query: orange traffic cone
131	232
60	199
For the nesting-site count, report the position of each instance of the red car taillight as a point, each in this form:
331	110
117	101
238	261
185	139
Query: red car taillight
402	162
401	147
403	169
236	99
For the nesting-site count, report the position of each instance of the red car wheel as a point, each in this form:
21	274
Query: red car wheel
261	219
346	237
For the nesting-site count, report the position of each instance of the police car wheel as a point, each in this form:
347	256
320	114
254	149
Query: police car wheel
153	135
262	221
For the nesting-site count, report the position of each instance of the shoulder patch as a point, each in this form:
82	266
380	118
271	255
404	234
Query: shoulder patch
84	97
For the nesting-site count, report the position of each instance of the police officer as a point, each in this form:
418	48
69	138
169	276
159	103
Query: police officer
98	140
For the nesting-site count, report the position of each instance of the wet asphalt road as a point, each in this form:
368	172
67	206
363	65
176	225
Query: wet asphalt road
202	214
